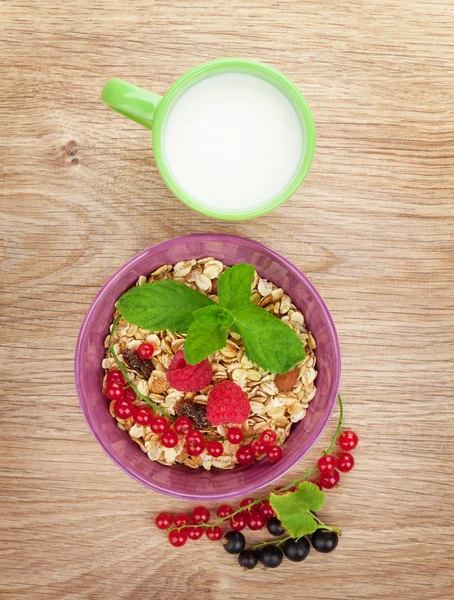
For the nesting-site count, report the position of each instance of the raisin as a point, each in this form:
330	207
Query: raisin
142	366
196	412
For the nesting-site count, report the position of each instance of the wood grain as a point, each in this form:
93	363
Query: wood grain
372	227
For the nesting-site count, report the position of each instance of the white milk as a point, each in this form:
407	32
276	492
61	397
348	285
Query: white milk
233	141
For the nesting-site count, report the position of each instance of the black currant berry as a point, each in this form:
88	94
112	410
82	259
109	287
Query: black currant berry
324	541
271	556
248	559
274	526
234	542
296	550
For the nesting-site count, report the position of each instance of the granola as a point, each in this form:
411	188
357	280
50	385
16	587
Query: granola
277	401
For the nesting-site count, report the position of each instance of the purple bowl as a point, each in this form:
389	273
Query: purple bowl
178	480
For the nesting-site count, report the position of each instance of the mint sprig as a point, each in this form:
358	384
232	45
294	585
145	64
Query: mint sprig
268	342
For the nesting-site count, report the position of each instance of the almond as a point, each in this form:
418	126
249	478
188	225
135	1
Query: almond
287	381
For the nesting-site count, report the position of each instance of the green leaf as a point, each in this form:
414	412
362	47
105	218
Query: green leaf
235	286
162	305
293	509
203	339
214	314
310	496
268	341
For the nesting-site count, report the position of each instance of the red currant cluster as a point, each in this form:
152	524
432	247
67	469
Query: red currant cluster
258	513
183	527
195	443
265	444
329	466
115	386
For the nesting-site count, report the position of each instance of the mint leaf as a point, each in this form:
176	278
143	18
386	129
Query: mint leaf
235	286
162	305
203	339
214	314
294	508
207	333
268	341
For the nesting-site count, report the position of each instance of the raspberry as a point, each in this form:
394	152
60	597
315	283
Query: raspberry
227	403
188	378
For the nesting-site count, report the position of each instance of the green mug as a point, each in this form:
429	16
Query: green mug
232	138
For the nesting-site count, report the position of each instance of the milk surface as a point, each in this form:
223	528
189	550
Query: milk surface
233	141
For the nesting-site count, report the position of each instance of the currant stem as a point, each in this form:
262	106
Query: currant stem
271	543
327	527
124	372
338	428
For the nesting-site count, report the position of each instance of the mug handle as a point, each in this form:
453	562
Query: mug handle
131	101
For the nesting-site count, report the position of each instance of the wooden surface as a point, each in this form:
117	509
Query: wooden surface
372	227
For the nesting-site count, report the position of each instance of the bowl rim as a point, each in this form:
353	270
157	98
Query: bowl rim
278	473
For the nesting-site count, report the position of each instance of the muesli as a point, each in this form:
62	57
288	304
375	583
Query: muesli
176	407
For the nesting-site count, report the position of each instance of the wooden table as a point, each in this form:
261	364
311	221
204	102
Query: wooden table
372	227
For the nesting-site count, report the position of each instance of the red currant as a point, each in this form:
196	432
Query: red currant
145	350
178	538
195	443
159	425
129	394
200	514
329	480
169	439
195	448
142	415
326	464
224	511
194	436
348	440
215	449
245	455
274	453
183	425
317	483
180	520
115	375
235	435
238	522
115	384
214	533
163	521
194	533
259	446
345	462
256	520
267	509
246	502
268	437
114	391
123	409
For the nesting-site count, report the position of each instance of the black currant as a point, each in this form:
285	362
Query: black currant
234	542
296	550
248	559
324	541
274	526
271	556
